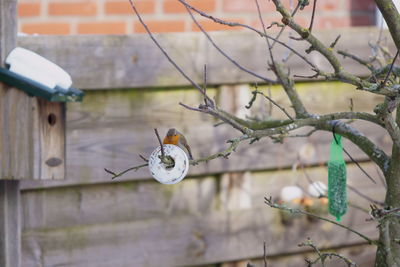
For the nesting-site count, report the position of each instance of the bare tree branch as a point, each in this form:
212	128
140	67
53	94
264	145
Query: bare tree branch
323	256
312	16
255	92
115	175
236	24
166	54
274	205
265	79
390	70
357	59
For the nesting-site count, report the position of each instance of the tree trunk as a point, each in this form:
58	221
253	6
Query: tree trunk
388	252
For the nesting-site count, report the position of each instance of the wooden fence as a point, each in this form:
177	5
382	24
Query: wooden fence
217	214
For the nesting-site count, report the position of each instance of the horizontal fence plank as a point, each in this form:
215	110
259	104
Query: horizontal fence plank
110	128
133	61
362	255
182	240
144	223
128	201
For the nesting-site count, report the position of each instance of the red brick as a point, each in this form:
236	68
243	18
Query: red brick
124	7
210	25
325	5
102	28
247	6
73	9
161	26
46	28
174	6
28	9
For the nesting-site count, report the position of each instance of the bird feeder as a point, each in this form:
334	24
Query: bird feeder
169	174
50	88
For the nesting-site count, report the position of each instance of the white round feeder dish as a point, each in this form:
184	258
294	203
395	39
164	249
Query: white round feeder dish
171	175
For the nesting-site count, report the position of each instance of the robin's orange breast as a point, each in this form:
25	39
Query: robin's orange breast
173	140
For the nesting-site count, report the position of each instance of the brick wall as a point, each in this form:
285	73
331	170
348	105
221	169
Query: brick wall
116	16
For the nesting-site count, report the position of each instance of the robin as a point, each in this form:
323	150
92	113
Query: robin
174	137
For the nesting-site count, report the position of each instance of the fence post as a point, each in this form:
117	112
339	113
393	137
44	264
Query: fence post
10	221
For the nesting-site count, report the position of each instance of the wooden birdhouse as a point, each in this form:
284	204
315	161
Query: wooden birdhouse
33	96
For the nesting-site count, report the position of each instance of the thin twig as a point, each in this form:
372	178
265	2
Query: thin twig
357	59
161	144
284	27
390	70
355	190
307	76
234	62
333	44
381	178
165	52
115	175
143	158
234	143
322	256
273	102
265	254
269	113
205	83
311	132
312	16
351	105
358	165
236	24
271	55
270	203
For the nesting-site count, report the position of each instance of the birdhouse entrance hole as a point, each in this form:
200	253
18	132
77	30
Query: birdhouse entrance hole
52	119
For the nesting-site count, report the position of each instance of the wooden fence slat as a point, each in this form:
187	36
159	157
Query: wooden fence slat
181	240
362	255
10	223
133	61
14	152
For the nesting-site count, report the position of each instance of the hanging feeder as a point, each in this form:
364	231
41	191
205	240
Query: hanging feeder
337	193
165	174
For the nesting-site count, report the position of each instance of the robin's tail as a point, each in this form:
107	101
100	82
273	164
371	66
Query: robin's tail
189	152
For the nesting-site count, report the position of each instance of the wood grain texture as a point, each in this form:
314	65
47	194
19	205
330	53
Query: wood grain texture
51	126
16	147
106	62
191	223
362	255
180	240
8	28
10	224
132	200
16	135
10	204
110	128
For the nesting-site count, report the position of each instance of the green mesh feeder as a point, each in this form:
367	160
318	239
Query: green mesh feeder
337	193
